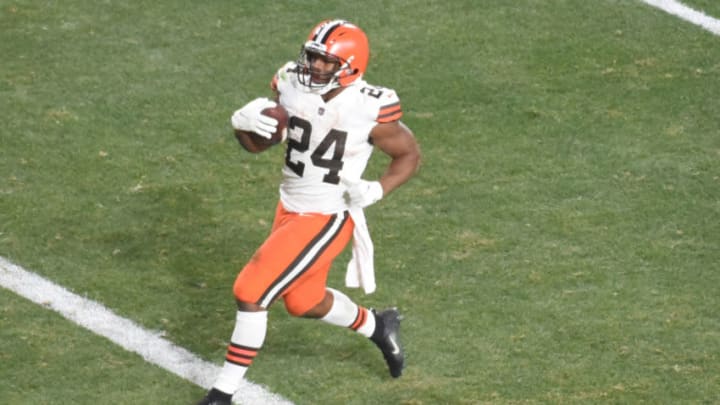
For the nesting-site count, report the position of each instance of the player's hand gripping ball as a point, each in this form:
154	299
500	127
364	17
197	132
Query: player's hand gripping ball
279	113
263	120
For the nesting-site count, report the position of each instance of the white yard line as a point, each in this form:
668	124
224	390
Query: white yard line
126	333
686	13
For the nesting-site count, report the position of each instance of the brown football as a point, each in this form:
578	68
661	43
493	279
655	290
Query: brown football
281	115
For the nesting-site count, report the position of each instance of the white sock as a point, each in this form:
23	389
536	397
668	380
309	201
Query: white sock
346	313
247	339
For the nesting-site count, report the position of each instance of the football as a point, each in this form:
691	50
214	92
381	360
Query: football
281	115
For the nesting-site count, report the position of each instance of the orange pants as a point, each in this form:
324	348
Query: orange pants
294	261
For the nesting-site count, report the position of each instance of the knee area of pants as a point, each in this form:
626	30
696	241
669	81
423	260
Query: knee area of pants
242	294
295	310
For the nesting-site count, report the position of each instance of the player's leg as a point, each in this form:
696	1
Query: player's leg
284	258
336	308
309	297
246	340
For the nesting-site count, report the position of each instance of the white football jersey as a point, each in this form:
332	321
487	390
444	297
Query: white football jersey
328	144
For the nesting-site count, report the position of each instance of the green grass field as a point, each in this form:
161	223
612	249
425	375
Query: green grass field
561	243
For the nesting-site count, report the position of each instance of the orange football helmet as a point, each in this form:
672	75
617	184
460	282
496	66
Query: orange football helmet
336	41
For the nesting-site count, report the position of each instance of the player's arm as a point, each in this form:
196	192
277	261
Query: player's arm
397	141
248	142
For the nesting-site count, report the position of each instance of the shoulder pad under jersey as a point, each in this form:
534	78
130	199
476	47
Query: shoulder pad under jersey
282	75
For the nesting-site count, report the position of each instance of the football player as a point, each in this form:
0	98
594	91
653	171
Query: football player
336	121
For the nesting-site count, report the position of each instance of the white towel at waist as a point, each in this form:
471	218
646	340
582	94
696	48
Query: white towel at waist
361	269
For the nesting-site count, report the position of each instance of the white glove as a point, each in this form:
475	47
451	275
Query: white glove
249	118
363	193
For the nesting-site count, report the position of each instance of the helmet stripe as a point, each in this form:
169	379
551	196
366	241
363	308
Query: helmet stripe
328	29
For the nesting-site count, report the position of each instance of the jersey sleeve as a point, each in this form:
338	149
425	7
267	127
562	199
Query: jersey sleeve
390	108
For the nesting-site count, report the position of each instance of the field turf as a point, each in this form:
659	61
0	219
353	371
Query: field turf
561	243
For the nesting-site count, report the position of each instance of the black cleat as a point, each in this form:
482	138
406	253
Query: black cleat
387	338
216	397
